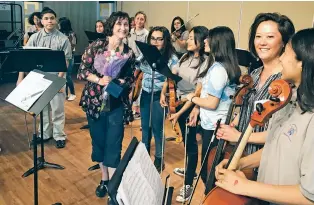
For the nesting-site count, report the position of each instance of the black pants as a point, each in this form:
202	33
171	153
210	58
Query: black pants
107	134
206	138
191	146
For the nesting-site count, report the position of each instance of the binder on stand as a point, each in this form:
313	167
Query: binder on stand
135	173
34	93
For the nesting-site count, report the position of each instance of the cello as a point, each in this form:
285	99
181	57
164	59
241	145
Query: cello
280	92
223	150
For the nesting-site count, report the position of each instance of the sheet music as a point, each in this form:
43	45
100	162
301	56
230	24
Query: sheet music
141	183
28	91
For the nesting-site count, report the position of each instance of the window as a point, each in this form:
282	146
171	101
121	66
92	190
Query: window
106	8
29	8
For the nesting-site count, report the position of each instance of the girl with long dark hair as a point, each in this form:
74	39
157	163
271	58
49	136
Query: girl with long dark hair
160	37
189	67
66	29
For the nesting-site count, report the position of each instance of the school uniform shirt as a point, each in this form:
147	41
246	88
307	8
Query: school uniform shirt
184	36
216	83
189	73
137	36
54	40
288	154
159	79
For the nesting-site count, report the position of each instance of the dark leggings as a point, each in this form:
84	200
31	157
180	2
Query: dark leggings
206	138
191	147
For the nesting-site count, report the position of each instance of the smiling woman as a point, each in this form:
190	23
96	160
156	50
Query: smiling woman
268	37
105	113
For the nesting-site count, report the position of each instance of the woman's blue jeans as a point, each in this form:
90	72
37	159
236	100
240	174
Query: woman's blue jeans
157	121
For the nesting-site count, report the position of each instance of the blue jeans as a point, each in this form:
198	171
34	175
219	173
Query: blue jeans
70	83
107	134
157	121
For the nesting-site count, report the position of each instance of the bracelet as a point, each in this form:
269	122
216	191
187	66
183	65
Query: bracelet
192	98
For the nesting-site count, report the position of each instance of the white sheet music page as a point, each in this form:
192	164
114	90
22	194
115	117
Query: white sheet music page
141	183
28	91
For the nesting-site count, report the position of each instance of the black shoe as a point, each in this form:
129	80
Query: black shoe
101	190
85	127
60	144
157	164
96	166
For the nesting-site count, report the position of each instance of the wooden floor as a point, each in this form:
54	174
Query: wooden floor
74	185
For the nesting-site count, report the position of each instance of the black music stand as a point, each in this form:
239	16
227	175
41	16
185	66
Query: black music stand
48	61
245	58
92	36
115	180
157	63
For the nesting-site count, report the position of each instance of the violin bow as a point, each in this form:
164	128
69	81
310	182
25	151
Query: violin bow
163	141
185	141
185	23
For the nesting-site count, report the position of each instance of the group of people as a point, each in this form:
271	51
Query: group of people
207	62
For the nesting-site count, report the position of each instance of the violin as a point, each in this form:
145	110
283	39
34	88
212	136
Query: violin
138	84
177	34
172	104
223	150
280	92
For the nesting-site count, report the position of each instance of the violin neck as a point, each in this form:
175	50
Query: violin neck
237	154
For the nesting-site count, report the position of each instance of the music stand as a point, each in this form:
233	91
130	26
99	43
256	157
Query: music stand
246	59
116	179
48	61
157	63
92	36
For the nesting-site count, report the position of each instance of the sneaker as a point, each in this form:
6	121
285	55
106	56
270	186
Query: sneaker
60	144
185	193
137	116
181	172
71	97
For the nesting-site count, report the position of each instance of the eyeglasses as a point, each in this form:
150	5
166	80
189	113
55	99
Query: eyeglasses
159	39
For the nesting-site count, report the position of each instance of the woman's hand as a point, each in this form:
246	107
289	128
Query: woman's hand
189	96
162	100
174	118
228	133
232	181
104	80
193	116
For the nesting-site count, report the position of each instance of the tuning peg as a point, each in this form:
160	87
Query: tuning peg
259	108
275	99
